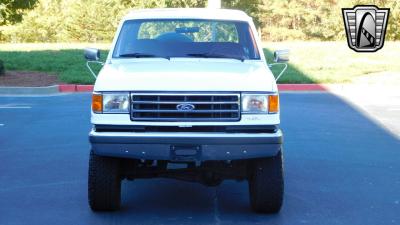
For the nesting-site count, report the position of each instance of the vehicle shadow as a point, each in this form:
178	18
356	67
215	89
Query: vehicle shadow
340	168
291	75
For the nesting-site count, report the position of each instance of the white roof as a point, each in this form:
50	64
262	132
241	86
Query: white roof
188	13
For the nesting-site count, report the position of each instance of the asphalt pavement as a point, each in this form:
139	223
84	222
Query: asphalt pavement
341	167
380	102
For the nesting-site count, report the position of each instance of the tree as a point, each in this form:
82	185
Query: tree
97	20
251	7
185	3
11	10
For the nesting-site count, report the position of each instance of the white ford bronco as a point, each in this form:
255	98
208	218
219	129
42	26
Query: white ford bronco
186	94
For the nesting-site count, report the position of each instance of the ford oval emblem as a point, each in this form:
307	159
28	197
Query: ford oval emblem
185	107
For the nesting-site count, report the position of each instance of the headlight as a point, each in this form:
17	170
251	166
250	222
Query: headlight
260	103
110	102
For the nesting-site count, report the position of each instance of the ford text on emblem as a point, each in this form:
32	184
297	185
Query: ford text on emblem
365	27
185	107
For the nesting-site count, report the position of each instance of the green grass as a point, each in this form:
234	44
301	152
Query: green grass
333	62
65	61
310	62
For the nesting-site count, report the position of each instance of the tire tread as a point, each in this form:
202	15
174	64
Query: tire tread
266	184
104	183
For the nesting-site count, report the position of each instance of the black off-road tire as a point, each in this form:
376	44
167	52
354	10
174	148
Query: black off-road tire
104	183
266	185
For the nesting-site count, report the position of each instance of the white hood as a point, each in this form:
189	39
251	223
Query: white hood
185	75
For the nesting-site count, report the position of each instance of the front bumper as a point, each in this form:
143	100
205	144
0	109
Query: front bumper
185	146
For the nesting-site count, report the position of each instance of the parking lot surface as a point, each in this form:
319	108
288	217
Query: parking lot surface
340	168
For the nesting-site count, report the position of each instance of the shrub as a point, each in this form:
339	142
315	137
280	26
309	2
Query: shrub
97	20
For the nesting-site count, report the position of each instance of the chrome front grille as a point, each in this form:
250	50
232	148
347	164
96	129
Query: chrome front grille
185	107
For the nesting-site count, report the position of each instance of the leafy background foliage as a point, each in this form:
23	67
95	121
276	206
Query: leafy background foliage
96	20
11	10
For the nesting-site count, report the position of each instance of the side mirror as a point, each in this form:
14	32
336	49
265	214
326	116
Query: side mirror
281	56
92	54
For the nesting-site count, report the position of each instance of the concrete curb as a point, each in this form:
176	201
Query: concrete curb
29	90
72	88
75	88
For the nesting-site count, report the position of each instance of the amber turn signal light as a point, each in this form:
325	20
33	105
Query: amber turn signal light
273	103
97	103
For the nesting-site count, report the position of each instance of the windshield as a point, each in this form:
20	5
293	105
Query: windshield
186	38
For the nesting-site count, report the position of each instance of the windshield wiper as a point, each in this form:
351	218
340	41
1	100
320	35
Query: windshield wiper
214	55
142	55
